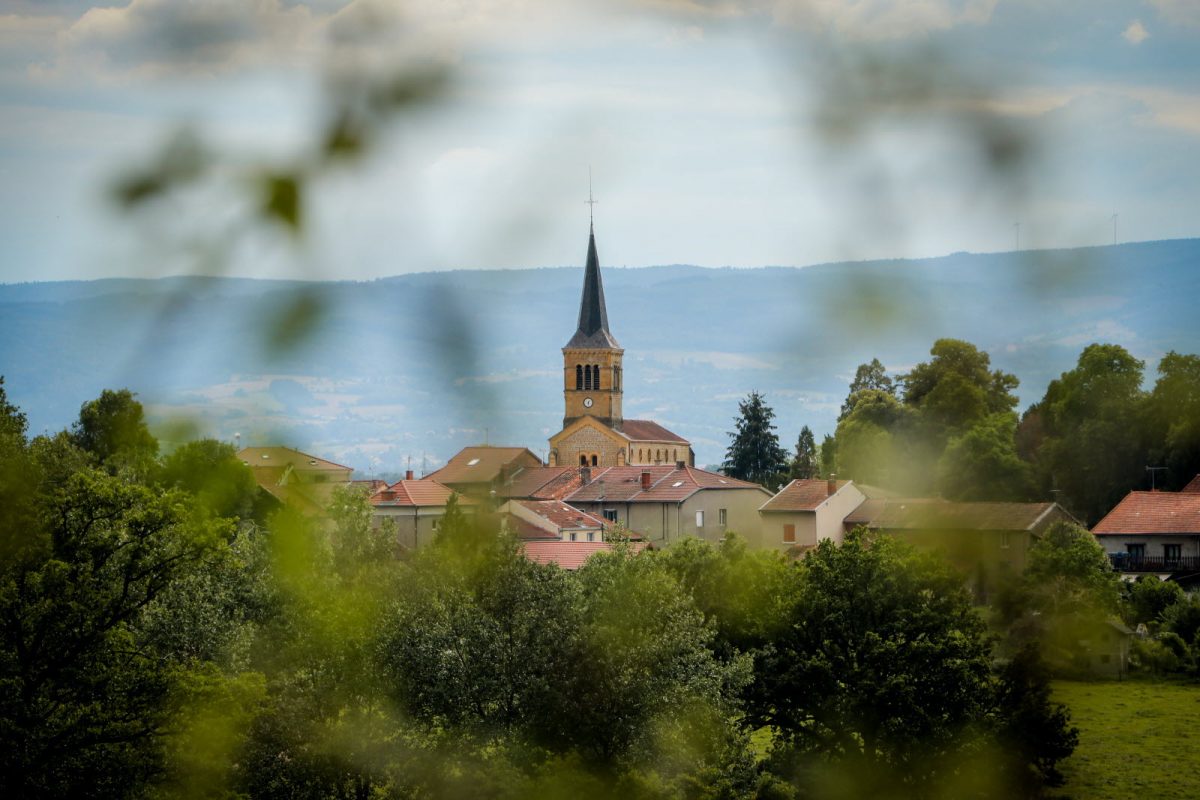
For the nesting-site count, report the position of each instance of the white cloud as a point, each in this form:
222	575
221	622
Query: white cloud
1136	33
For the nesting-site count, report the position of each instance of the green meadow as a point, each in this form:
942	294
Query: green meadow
1137	739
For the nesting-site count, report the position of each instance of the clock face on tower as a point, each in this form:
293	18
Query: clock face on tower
587	402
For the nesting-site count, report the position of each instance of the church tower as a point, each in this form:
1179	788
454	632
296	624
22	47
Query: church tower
592	379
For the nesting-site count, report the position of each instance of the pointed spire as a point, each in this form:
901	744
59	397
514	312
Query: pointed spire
593	316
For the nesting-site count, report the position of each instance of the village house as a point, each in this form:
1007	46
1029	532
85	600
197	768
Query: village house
476	471
984	540
805	511
288	476
664	504
1154	533
415	507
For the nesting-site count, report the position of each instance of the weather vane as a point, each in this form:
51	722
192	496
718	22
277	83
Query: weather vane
590	202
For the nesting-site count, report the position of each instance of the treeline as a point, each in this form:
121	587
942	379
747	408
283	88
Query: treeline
166	634
949	427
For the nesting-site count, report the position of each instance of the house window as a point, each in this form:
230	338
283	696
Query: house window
1004	540
436	523
610	514
789	533
1171	552
699	519
1136	551
578	376
591	536
722	517
573	536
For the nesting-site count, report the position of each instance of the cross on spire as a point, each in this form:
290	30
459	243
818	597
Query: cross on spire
590	202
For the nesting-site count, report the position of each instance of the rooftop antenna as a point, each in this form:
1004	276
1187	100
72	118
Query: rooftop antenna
591	203
424	465
1114	219
1153	471
487	437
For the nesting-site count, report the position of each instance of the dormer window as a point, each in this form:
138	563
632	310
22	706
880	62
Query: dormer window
472	462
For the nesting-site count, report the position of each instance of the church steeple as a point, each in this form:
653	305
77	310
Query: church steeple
593	315
592	359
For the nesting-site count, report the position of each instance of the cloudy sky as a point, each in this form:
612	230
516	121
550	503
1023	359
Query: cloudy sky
722	132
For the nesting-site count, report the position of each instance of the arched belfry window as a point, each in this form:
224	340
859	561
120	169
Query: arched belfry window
594	460
587	377
595	376
583	460
615	381
578	376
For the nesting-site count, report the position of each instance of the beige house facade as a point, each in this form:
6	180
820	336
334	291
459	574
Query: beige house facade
805	511
664	504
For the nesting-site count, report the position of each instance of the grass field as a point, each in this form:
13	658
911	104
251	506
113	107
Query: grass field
1136	740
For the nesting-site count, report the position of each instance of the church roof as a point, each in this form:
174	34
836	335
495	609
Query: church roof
593	330
644	430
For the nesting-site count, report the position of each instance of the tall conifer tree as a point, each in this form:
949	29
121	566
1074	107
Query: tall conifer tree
754	454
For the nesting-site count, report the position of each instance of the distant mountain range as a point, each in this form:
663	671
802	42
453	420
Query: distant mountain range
416	366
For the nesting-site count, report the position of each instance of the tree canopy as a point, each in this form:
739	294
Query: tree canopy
755	454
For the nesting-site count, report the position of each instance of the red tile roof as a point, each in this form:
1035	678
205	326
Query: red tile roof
927	514
1153	512
644	430
570	555
1193	486
527	530
423	493
800	495
561	515
667	484
541	483
483	464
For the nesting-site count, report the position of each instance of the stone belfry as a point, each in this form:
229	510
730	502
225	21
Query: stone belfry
592	379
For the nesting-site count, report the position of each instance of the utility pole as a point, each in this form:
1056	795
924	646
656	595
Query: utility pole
1153	471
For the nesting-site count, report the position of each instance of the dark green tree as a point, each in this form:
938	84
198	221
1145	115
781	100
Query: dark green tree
982	463
805	461
112	428
211	471
754	454
1174	415
957	388
1148	598
881	682
871	376
1095	447
84	705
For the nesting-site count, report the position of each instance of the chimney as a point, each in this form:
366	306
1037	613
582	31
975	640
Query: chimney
408	474
585	475
831	484
645	481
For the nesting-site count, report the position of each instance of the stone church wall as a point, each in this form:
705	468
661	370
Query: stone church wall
590	441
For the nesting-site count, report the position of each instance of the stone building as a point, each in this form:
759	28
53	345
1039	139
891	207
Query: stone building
595	432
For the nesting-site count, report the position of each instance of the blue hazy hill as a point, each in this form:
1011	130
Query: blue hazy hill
426	363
